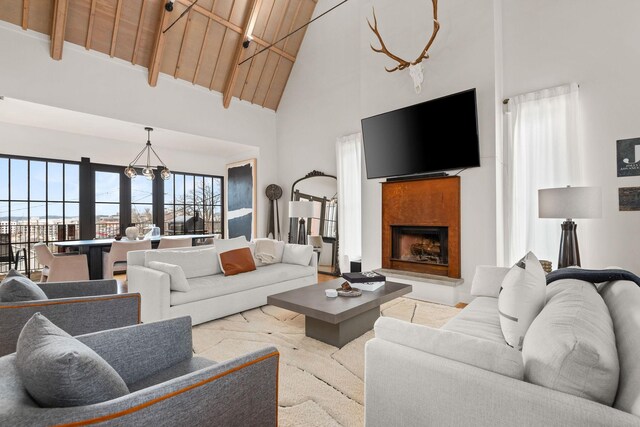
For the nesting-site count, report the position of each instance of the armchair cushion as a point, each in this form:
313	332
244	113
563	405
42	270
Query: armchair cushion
59	371
16	287
177	279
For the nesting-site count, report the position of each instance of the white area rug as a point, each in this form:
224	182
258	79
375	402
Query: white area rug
320	385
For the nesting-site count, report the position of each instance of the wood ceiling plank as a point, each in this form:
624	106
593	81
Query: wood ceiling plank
92	17
128	29
103	26
116	26
13	13
77	22
158	49
270	88
269	65
217	81
136	44
304	16
152	15
279	83
227	23
58	28
265	79
40	15
225	61
25	14
250	22
203	46
174	34
193	42
256	64
213	44
185	36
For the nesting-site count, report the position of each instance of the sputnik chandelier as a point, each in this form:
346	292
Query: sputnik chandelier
147	170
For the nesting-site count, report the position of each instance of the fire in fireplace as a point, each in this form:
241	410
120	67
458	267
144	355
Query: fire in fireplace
424	245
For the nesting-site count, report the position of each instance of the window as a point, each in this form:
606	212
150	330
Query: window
39	202
192	204
142	202
542	151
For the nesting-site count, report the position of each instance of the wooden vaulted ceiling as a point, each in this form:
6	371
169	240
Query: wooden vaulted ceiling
204	47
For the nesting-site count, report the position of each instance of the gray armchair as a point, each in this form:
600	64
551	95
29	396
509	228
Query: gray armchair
76	307
168	385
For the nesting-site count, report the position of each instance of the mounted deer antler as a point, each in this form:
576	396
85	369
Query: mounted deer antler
402	64
416	72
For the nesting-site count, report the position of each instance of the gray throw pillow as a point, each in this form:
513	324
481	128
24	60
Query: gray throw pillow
16	287
59	371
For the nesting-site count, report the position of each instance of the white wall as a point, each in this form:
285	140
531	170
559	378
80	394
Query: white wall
93	83
338	80
549	43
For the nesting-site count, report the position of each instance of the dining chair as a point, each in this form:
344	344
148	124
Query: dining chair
11	256
316	242
116	258
61	267
167	242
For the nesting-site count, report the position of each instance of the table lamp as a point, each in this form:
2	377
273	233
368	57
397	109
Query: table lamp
301	209
569	202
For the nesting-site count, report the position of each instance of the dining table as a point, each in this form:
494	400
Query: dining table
93	249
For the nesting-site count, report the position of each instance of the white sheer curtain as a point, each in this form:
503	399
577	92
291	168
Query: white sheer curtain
349	155
542	151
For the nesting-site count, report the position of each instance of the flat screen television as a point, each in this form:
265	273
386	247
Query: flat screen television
434	136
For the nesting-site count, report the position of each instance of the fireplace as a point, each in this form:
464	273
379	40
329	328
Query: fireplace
421	226
423	245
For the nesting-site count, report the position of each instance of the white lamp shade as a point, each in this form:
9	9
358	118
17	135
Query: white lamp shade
300	209
570	202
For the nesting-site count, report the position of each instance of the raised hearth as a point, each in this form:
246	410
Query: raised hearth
421	226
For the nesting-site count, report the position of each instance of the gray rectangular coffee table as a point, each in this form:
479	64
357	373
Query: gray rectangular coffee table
337	321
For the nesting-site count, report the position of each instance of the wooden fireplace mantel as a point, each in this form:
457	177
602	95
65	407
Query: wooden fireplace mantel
424	202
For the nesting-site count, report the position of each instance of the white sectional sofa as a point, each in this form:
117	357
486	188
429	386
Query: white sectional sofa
212	294
579	365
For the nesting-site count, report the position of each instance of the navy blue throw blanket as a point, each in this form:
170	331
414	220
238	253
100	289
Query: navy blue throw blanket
593	276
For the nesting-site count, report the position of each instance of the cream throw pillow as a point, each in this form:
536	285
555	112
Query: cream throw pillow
521	298
178	280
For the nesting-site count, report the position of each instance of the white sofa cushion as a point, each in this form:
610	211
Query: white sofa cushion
622	298
487	280
571	345
213	286
297	254
194	263
521	298
478	319
177	279
491	356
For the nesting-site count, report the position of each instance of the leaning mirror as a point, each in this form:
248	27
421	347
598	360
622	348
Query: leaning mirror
322	226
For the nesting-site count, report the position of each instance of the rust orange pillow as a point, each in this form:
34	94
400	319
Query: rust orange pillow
237	261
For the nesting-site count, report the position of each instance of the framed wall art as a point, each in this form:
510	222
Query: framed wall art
628	157
241	199
629	198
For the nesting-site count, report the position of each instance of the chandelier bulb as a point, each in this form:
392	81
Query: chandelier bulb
165	174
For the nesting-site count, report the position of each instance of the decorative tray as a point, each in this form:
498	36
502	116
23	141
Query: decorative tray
353	292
